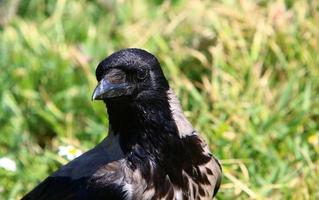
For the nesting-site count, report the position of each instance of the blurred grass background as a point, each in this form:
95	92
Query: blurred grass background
246	72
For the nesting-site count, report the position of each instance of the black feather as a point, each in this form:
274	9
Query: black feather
148	138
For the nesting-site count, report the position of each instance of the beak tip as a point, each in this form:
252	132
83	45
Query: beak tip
97	93
94	97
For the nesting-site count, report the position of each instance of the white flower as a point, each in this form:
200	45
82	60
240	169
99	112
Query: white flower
69	151
8	164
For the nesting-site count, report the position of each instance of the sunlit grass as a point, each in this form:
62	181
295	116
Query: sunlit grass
246	72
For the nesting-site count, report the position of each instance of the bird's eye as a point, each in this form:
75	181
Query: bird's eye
141	74
116	76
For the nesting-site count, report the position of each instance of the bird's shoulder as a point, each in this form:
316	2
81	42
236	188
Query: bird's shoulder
205	172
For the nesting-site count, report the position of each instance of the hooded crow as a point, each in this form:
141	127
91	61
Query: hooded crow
151	151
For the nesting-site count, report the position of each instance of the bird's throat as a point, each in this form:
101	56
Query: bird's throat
144	125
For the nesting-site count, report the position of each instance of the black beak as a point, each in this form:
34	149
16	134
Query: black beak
106	90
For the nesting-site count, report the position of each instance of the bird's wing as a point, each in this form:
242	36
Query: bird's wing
71	180
54	188
96	187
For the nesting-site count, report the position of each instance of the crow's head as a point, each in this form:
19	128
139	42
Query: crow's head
129	73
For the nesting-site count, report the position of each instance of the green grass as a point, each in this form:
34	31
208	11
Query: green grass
246	72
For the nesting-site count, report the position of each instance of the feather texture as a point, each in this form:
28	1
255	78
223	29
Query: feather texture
151	152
